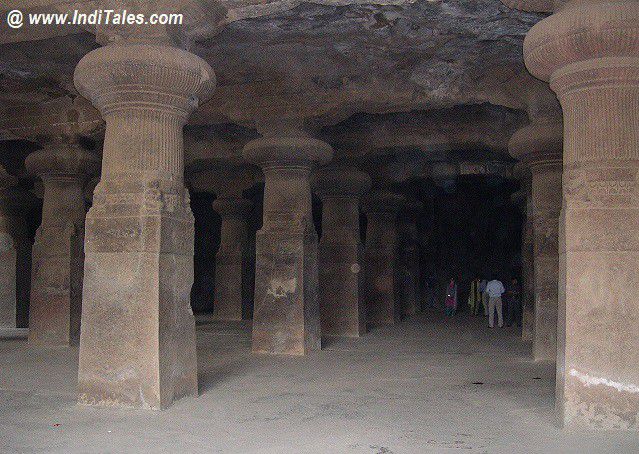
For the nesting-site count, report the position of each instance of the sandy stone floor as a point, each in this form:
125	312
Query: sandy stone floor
404	389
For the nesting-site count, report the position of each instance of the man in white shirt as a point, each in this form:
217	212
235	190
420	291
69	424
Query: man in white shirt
495	289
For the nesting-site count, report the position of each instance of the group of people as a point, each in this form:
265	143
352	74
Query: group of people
487	297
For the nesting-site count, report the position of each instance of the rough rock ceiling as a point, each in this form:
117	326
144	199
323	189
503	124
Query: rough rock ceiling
341	64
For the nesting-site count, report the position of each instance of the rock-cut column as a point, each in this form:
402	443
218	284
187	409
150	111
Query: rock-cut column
13	245
380	258
58	249
231	260
286	317
539	146
409	257
589	51
523	199
340	251
137	346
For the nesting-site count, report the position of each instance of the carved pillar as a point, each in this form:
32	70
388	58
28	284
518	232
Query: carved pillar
137	346
12	234
589	51
340	279
409	255
539	146
527	257
380	258
286	317
231	260
58	253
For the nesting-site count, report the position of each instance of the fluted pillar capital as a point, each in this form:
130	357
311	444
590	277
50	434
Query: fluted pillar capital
291	149
538	144
146	76
59	160
342	181
586	44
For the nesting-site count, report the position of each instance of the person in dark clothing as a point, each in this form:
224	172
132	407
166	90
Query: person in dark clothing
513	296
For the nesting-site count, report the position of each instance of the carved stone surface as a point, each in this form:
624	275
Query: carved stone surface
340	251
286	318
137	346
58	252
589	51
380	258
231	260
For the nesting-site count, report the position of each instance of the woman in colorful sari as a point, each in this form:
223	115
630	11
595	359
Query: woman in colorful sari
451	298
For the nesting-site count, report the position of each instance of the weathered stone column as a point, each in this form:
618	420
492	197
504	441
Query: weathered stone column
380	258
589	51
524	200
286	317
539	147
409	254
231	260
137	346
10	228
233	276
340	251
58	252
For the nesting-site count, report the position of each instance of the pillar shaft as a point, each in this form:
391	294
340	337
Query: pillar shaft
340	278
137	345
546	207
58	253
231	260
589	51
528	269
286	316
409	256
380	262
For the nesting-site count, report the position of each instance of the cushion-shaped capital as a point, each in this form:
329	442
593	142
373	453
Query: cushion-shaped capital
340	181
69	160
267	151
144	75
538	142
583	31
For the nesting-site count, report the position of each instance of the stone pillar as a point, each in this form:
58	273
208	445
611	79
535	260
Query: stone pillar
286	317
58	253
409	256
231	260
380	258
589	51
342	307
527	257
11	229
137	347
15	206
539	146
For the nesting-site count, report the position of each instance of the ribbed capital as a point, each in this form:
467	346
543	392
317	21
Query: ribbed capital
343	181
287	150
581	31
382	201
62	161
232	207
538	144
144	76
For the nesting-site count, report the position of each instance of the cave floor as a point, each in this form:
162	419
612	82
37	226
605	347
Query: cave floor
411	388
